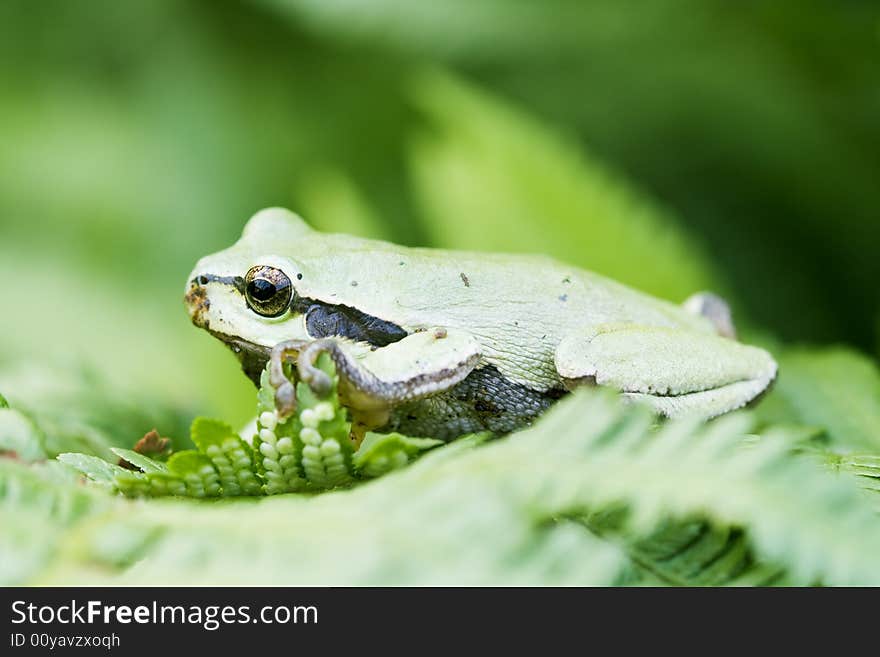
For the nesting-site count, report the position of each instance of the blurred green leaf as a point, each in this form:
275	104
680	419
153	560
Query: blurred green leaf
19	436
485	30
502	513
833	388
39	504
490	177
76	409
333	204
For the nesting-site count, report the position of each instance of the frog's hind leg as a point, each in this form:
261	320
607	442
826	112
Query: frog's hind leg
674	371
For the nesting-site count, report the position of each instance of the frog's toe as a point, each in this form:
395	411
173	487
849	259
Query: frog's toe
713	308
707	403
317	380
285	392
285	399
675	372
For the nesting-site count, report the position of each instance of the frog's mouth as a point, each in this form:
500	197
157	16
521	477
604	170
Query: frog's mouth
253	357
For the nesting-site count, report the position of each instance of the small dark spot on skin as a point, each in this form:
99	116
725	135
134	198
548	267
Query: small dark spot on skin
563	297
299	277
567	279
544	336
354	283
401	263
464	279
516	323
486	407
411	417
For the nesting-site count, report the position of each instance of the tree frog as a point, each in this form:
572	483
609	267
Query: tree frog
441	343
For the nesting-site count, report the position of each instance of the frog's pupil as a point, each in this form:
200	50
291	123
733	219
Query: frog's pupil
261	289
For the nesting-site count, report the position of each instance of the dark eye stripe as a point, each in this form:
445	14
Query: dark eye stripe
235	281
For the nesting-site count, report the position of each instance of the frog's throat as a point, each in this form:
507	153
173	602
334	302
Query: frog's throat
253	357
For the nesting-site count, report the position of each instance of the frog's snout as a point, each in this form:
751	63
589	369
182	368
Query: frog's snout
197	302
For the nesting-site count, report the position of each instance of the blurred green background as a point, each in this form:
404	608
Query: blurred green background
672	144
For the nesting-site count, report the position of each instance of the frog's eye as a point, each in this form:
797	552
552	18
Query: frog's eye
268	291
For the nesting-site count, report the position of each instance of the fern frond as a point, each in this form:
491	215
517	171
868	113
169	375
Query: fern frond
38	504
864	467
690	553
820	527
309	450
692	504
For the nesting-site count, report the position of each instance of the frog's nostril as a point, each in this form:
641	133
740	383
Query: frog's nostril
202	280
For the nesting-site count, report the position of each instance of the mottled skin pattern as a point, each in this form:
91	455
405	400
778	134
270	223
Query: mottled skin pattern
440	343
484	401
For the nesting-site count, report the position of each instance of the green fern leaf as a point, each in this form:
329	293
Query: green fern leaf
686	504
197	472
380	454
796	514
230	455
145	463
694	553
97	470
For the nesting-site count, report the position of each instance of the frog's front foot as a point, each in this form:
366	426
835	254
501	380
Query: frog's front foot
317	379
424	363
306	353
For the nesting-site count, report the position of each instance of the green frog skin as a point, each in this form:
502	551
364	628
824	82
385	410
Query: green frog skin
441	343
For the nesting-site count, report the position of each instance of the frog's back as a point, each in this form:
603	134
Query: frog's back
419	285
518	306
